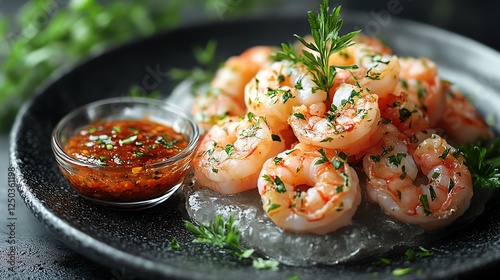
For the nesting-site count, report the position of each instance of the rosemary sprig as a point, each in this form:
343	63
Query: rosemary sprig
483	161
325	30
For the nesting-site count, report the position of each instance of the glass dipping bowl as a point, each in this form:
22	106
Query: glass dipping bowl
121	187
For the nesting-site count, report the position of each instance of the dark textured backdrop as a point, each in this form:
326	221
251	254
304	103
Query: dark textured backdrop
475	19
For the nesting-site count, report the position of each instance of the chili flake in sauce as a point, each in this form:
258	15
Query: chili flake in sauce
122	152
128	143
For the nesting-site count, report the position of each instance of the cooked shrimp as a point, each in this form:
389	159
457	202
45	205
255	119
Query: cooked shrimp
211	106
461	121
376	71
347	126
373	42
430	188
347	56
237	71
277	88
224	96
408	117
230	156
420	78
308	189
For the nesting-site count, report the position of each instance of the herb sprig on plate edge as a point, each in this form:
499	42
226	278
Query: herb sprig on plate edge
224	233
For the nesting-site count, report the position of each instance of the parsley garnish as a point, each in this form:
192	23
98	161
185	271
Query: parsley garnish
325	29
280	186
323	159
483	161
174	244
411	255
225	234
229	149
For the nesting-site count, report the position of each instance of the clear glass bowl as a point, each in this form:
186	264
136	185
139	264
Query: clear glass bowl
121	187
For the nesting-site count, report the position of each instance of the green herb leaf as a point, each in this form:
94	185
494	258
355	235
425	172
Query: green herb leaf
260	263
221	233
325	28
483	161
224	233
323	159
401	271
174	244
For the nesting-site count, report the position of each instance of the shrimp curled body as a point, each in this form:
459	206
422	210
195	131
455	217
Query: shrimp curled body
431	187
303	192
229	158
347	127
277	88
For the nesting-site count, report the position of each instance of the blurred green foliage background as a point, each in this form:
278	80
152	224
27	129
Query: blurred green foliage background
47	36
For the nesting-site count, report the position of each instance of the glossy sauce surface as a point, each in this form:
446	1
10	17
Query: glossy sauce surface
122	153
127	143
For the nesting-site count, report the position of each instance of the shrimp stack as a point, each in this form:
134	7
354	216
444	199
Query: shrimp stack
270	128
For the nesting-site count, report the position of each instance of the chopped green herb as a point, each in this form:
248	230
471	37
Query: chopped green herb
337	163
286	95
432	193
401	271
224	233
382	261
129	139
323	159
174	244
425	204
280	187
396	159
138	154
260	263
299	116
404	114
273	207
445	153
229	149
327	139
376	158
277	160
403	173
451	185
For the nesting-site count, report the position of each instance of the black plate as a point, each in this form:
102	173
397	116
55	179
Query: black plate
139	241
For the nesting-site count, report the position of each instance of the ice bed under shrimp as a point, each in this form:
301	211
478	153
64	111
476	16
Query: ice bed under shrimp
372	232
